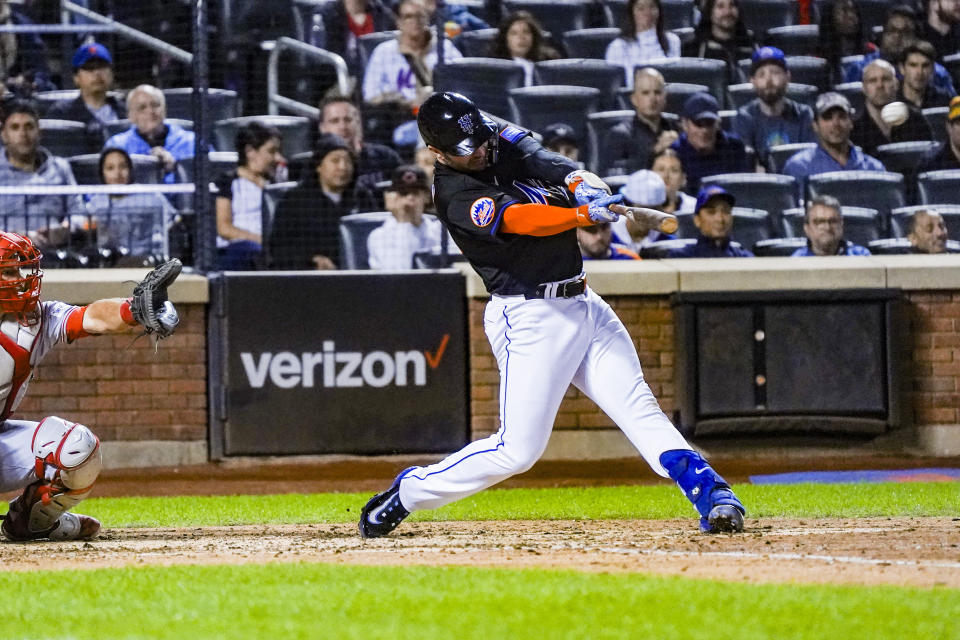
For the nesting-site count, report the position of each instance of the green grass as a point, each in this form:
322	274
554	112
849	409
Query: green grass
643	502
329	601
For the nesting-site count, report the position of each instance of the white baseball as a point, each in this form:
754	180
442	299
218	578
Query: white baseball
894	114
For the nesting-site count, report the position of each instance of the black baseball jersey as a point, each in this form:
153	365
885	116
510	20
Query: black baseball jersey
470	206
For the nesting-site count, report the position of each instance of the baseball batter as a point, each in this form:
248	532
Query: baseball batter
55	462
513	207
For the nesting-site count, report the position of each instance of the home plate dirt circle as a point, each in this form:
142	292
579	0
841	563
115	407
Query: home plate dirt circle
922	552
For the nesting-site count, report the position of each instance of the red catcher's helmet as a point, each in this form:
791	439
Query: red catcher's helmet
20	294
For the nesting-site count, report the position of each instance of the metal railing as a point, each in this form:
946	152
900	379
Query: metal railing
275	100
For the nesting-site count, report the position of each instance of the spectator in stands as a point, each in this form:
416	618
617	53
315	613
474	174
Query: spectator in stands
131	224
834	151
561	138
899	31
714	220
93	76
772	118
520	38
305	232
704	148
644	188
722	35
667	165
457	18
949	155
23	56
629	147
880	89
339	116
240	197
642	38
596	243
823	226
392	245
927	232
399	71
346	20
842	33
24	162
149	134
942	27
916	69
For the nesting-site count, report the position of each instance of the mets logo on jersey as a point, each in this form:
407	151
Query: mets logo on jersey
481	211
466	123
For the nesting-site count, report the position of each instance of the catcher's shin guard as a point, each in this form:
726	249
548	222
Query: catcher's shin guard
73	452
712	497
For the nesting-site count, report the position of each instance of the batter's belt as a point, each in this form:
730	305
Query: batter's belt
564	289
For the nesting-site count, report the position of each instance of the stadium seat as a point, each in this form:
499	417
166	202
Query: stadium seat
727	116
952	64
475	44
899	219
803	70
905	158
750	226
880	190
272	195
887	246
555	16
45	99
660	249
119	126
792	222
677	14
65	138
583	72
850	62
686	35
220	104
354	230
711	73
741	94
762	15
538	107
852	91
220	162
678	92
296	132
778	247
368	42
780	153
589	43
598	127
686	228
794	40
86	169
936	117
765	191
435	259
939	186
486	81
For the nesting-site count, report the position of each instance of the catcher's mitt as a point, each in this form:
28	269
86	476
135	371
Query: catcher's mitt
149	305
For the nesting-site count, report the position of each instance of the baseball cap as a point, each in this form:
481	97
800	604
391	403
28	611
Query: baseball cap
713	191
407	177
953	111
92	51
645	188
832	100
327	144
557	133
767	55
699	106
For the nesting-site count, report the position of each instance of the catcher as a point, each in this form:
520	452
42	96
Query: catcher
55	462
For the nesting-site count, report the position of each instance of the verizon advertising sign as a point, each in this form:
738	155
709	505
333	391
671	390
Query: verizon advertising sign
340	363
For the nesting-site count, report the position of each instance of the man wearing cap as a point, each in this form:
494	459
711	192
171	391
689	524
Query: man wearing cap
823	226
949	155
644	188
772	118
880	89
561	138
714	221
916	69
93	75
704	148
596	243
834	151
391	246
629	147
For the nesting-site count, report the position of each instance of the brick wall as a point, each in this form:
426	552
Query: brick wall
933	389
125	391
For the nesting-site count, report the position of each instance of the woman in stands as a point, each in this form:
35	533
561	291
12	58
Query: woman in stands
667	165
642	38
520	38
132	225
842	34
240	197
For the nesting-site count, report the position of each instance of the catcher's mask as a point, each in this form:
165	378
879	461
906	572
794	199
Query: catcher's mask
453	123
20	274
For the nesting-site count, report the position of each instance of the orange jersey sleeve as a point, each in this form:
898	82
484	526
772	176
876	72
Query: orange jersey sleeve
543	219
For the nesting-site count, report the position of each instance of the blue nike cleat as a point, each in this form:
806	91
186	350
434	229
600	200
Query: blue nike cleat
720	510
384	511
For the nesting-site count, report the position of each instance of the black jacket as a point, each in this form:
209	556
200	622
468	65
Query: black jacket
77	110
